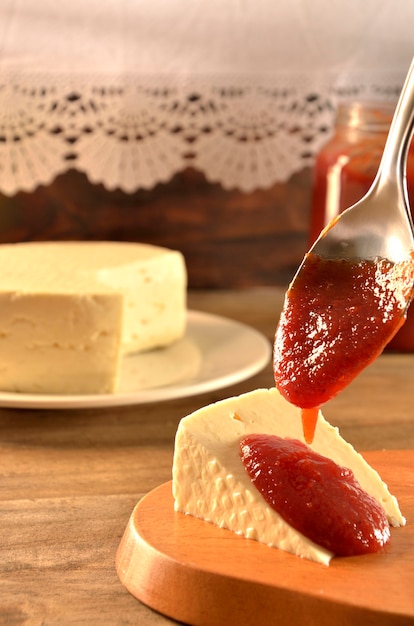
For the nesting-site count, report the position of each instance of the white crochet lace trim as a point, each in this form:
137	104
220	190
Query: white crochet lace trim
130	134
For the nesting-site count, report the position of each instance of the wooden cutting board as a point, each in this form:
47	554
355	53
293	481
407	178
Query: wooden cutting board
199	574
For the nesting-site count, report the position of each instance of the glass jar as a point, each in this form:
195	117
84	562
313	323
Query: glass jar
344	171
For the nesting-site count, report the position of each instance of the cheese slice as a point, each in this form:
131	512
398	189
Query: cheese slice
211	483
70	310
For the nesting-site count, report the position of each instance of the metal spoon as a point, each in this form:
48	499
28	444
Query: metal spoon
380	224
320	345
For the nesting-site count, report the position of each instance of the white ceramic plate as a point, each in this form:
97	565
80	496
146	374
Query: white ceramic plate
216	352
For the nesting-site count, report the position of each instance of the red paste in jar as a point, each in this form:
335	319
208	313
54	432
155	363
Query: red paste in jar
313	494
344	171
337	317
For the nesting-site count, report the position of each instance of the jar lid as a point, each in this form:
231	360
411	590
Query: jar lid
369	116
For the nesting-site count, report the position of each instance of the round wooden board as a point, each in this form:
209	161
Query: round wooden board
199	574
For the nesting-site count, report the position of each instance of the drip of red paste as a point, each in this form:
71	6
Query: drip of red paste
309	421
313	494
337	317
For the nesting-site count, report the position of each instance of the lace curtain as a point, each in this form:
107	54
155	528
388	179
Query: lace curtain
131	92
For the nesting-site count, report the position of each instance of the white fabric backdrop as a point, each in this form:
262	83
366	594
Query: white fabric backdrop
132	91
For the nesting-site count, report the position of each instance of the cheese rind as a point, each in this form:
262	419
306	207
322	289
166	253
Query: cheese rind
154	287
69	310
210	481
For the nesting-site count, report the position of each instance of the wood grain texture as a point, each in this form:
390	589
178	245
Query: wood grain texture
229	238
70	479
202	575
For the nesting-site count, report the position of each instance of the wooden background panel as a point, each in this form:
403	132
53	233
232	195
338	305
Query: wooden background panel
229	238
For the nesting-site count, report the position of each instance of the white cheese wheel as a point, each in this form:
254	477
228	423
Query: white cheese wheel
211	483
70	310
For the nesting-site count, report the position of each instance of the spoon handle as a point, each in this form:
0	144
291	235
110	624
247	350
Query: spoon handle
394	158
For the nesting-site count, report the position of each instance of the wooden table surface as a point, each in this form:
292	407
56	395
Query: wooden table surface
70	479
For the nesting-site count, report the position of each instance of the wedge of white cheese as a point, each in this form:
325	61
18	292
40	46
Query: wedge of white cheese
70	310
211	483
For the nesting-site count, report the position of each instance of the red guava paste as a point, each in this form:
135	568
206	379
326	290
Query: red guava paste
338	315
313	494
